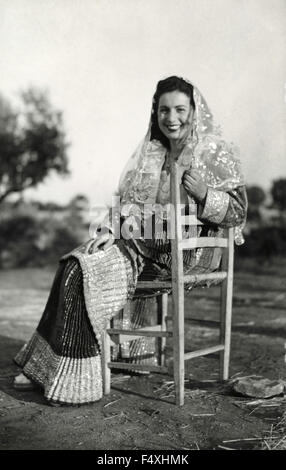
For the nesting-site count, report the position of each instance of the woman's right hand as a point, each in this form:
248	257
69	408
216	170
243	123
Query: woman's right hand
102	242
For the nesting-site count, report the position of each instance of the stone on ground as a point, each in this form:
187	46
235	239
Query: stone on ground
258	386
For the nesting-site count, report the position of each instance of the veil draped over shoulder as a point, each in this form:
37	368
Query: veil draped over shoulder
143	182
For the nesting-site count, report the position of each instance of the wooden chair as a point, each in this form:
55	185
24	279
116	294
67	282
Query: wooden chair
225	275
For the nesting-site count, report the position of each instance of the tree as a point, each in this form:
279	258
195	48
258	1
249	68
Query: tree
79	203
256	196
32	142
78	207
278	191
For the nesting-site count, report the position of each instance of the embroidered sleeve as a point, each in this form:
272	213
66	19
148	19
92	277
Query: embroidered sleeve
215	207
237	208
228	209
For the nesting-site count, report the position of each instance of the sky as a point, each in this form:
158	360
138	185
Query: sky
100	60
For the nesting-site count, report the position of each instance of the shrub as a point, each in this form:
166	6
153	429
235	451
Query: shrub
28	241
264	242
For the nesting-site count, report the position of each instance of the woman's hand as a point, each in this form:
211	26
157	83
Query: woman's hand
101	242
194	185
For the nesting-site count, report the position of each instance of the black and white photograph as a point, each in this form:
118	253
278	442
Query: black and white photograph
143	227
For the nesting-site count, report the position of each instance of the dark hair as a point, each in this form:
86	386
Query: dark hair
167	85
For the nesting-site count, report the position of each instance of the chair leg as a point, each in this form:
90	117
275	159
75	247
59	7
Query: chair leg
225	317
162	314
105	359
178	344
225	338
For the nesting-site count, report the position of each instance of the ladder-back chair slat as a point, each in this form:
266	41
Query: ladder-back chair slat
203	242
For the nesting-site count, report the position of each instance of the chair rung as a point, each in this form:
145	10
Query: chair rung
205	322
203	242
154	284
140	332
187	278
203	352
146	367
217	276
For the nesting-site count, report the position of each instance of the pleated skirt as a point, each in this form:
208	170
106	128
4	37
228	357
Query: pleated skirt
64	354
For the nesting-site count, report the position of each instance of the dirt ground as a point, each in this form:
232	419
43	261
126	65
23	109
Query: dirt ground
139	413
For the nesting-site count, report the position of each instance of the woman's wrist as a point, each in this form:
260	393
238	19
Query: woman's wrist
202	195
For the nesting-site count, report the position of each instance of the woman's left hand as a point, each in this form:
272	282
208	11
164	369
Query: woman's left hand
194	185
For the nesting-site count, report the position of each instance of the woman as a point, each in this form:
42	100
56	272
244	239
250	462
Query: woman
95	281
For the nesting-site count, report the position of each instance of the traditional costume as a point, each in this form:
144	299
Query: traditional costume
63	355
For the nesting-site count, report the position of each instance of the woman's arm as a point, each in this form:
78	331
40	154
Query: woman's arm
224	208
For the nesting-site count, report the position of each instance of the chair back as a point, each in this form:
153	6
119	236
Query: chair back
178	243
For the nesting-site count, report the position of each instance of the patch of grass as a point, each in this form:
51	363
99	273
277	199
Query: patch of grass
276	438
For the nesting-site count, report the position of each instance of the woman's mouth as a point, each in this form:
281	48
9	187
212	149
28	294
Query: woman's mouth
173	127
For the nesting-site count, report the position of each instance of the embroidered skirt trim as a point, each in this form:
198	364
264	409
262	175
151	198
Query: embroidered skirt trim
64	379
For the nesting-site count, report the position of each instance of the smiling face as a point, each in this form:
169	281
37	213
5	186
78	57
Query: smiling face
174	115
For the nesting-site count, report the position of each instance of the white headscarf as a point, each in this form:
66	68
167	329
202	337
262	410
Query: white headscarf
204	149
